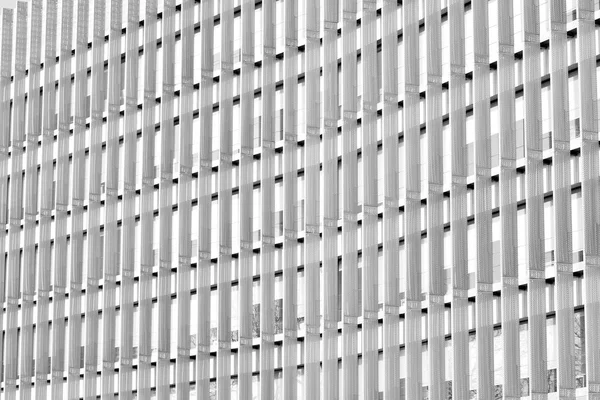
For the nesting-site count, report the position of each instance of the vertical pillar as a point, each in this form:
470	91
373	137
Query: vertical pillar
412	210
15	209
93	233
370	208
31	203
563	240
78	196
586	51
111	244
267	278
5	70
290	187
436	343
62	201
165	213
147	202
225	186
511	387
246	202
458	203
205	199
42	363
536	289
92	315
483	213
185	200
128	233
350	303
329	103
391	289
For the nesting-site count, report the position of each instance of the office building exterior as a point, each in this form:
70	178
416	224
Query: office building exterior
300	199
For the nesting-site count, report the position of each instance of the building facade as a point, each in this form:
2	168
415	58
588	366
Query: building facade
300	199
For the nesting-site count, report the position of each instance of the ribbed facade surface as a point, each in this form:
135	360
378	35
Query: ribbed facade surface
300	199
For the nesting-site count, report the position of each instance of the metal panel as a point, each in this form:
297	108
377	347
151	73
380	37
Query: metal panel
563	238
412	201
225	185
30	203
59	284
165	213
536	298
128	231
15	210
42	362
435	227
329	101
205	199
184	273
511	387
94	238
290	182
267	189
458	202
391	289
586	52
147	259
246	202
349	187
76	296
370	212
483	212
111	257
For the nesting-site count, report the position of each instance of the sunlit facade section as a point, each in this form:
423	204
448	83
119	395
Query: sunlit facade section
300	199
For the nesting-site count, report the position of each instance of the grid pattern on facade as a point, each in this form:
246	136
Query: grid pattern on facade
300	199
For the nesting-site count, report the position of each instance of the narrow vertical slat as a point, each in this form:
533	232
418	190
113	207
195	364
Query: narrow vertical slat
128	234
435	225
111	252
458	203
94	274
246	203
586	51
205	199
391	289
370	208
267	188
62	202
328	99
78	196
165	213
46	205
563	238
185	200
225	185
483	212
290	187
511	386
350	304
5	71
536	289
15	210
412	208
31	202
147	203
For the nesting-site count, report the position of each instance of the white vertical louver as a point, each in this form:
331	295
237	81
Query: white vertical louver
15	210
33	132
128	231
147	220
